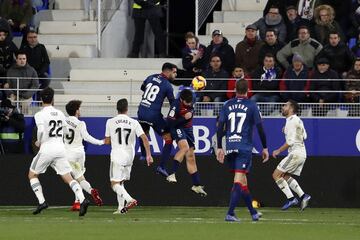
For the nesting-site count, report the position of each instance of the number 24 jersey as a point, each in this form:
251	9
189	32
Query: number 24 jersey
122	131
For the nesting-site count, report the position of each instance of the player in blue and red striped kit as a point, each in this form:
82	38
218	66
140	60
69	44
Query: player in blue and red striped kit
238	117
180	122
156	88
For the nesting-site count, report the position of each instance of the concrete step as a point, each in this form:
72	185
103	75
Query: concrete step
68	27
236	16
71	51
227	28
243	5
68	39
154	64
61	15
78	4
233	39
109	75
112	88
87	98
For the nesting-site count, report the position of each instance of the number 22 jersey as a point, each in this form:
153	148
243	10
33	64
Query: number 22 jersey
122	131
240	116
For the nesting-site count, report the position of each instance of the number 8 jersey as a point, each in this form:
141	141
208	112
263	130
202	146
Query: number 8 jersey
122	131
50	122
240	116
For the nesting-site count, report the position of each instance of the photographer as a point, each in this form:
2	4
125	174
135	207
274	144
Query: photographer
12	127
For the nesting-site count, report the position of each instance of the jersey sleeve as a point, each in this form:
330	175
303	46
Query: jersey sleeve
170	94
107	129
87	137
220	128
256	114
138	129
40	126
65	127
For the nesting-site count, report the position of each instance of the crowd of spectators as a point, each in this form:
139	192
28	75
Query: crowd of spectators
298	45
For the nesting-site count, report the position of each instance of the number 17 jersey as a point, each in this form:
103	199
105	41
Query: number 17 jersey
240	115
122	131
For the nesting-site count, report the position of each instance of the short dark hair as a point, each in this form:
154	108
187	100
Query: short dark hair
271	30
31	31
334	32
303	27
186	95
168	66
294	105
47	95
215	55
241	86
72	106
269	55
122	105
20	52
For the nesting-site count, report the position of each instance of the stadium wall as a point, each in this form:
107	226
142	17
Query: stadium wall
332	182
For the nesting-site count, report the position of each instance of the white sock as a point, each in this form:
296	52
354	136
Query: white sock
120	201
86	186
76	188
120	190
284	187
294	185
36	187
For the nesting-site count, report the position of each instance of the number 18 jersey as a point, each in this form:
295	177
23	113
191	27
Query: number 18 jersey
51	122
239	115
122	131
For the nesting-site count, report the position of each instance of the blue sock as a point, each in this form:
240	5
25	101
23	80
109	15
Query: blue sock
176	165
247	198
165	155
234	198
195	178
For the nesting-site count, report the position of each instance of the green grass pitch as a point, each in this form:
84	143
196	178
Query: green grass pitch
175	223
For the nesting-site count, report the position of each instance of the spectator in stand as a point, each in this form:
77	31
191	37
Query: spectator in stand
37	58
305	46
28	80
213	77
272	45
354	28
7	53
237	74
338	54
325	23
342	9
19	14
356	48
220	46
247	51
12	127
321	73
294	21
274	21
192	55
266	77
152	12
296	78
280	4
4	25
352	83
306	8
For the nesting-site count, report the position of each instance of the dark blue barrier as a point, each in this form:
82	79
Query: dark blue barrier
326	137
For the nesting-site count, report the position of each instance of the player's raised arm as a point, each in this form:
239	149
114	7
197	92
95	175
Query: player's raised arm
87	137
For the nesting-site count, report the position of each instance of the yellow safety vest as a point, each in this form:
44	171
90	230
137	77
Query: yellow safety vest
137	6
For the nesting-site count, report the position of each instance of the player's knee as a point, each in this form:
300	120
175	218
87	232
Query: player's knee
276	175
32	175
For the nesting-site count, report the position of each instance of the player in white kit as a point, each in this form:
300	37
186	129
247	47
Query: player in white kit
51	124
75	152
293	163
121	132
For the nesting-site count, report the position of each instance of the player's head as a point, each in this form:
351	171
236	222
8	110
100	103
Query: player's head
47	95
73	107
241	87
122	106
291	107
186	97
169	70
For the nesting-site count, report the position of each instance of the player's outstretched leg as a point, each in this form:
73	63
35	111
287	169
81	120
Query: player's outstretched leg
304	198
178	158
165	156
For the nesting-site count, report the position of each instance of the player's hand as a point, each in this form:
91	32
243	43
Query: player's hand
188	115
37	143
265	155
276	153
220	155
149	160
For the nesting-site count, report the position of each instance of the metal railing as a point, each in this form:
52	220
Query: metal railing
107	107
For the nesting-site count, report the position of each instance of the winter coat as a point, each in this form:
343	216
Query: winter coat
30	80
247	56
299	82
